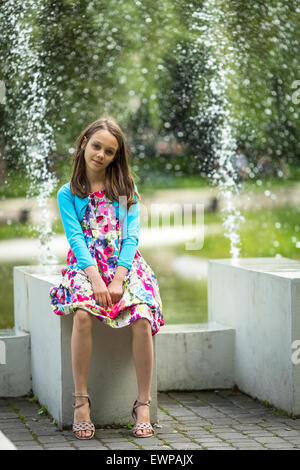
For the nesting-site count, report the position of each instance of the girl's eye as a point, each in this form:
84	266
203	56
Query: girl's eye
109	151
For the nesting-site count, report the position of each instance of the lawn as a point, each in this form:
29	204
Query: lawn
264	233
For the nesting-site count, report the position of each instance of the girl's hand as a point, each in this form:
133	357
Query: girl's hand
102	296
115	289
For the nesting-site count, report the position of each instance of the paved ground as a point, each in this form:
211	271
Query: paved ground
224	419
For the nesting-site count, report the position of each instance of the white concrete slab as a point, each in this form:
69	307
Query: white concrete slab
260	299
15	370
5	443
195	357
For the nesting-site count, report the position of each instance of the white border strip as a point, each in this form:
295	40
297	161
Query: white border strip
5	443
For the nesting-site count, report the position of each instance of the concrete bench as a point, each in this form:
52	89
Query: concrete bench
260	299
186	357
251	340
195	356
15	365
112	377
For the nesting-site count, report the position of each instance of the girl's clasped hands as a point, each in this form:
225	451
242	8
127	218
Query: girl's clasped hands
106	296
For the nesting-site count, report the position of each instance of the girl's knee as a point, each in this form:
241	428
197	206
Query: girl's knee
142	325
82	318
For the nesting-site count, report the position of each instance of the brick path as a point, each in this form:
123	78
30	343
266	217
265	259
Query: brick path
220	419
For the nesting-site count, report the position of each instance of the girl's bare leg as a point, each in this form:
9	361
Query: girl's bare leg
142	350
81	344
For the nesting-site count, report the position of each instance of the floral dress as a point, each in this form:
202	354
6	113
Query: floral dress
141	297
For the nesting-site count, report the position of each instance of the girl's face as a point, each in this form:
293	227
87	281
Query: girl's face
99	151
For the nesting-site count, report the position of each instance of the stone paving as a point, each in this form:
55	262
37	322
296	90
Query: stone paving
203	420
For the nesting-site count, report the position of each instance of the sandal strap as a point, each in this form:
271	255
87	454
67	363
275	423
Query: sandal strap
141	426
140	403
81	395
136	404
83	426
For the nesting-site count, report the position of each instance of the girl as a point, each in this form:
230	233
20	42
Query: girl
105	275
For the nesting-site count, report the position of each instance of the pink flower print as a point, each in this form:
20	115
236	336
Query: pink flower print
139	272
81	298
103	266
71	274
72	283
104	229
63	271
108	251
99	218
58	312
99	193
71	257
149	287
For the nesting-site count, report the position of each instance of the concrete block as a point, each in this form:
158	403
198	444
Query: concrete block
112	377
195	357
15	368
260	299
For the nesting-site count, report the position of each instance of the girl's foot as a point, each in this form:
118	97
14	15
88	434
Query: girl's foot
82	414
142	414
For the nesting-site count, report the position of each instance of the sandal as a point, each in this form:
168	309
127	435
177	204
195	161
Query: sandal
142	425
83	425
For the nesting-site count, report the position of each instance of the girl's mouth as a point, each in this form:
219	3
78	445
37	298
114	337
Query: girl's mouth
97	163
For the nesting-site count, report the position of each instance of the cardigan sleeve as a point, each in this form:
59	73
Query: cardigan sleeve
73	228
131	234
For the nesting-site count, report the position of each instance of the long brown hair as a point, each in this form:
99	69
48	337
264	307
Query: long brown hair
119	180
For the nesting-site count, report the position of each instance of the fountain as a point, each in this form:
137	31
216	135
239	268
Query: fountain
28	131
30	134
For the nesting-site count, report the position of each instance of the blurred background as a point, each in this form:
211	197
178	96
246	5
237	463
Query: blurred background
207	94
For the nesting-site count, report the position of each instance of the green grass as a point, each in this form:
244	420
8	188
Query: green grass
184	300
16	230
25	230
6	293
260	236
173	182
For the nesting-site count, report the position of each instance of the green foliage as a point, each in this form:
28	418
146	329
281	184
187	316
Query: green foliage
265	36
145	64
184	109
33	399
43	410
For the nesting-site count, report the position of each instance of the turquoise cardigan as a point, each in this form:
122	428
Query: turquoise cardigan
72	209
